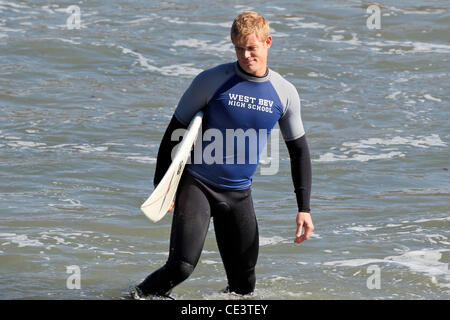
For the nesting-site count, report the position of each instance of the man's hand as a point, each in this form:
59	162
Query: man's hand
303	221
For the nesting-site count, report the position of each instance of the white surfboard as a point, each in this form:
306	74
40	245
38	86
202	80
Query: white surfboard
157	205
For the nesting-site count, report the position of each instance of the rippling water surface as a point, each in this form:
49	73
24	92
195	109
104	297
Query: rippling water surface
82	112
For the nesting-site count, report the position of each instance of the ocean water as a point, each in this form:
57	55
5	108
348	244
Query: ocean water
83	110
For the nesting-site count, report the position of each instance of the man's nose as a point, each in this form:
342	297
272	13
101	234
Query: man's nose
247	54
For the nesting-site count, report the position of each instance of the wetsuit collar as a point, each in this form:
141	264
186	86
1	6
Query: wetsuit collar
247	76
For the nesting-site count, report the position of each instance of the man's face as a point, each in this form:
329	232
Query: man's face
252	54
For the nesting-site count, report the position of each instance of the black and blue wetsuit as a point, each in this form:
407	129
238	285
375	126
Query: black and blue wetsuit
231	100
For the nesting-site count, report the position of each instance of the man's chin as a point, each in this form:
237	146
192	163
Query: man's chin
249	68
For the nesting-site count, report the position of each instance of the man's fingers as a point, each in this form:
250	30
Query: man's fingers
298	234
308	231
300	239
303	222
305	236
299	229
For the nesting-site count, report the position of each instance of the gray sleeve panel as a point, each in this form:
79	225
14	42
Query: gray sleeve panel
290	123
201	90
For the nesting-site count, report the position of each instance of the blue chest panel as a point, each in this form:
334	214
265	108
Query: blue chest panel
244	104
242	113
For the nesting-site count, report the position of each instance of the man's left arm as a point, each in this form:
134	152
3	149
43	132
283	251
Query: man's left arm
301	176
291	126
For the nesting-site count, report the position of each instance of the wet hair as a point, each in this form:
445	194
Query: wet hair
249	22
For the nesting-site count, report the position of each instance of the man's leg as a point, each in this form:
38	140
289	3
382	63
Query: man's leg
238	240
189	228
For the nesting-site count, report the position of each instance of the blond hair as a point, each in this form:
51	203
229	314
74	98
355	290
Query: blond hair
249	22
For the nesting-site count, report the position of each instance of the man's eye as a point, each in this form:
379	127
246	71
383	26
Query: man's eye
248	49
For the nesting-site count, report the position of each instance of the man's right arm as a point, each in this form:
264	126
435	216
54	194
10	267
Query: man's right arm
164	159
194	99
191	102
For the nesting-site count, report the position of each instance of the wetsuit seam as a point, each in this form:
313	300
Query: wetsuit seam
213	184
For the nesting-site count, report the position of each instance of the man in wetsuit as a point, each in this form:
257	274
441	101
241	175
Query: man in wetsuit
243	97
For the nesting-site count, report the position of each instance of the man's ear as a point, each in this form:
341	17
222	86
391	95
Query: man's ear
269	41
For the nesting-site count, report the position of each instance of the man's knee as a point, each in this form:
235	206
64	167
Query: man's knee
181	270
164	279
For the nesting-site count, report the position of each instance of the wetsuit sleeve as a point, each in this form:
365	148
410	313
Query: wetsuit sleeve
164	158
193	100
190	103
201	90
291	125
301	171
